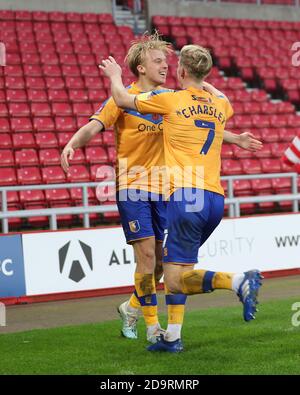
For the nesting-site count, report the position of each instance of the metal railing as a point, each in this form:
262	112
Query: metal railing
52	213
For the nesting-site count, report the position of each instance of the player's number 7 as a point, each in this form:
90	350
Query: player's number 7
211	134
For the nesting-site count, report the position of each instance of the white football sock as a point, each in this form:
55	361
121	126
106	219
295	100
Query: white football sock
173	332
237	280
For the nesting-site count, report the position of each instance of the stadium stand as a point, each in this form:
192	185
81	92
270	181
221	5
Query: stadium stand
51	85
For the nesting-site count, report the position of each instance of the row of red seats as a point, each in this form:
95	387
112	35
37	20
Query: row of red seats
11	125
263	34
264	121
25	109
50	175
39	95
55	16
259	186
159	20
35	79
252	166
18	83
40	124
50	140
51	156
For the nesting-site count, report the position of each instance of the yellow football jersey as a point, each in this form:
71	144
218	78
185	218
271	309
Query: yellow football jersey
193	124
139	145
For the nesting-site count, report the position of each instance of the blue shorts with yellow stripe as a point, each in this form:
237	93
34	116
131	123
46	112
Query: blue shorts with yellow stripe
192	215
143	214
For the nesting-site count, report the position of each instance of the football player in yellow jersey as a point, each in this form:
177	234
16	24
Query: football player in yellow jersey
194	119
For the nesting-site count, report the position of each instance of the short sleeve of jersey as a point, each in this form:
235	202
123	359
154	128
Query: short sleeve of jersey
228	110
155	102
107	114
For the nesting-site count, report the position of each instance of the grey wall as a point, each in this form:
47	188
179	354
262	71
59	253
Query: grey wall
94	6
224	10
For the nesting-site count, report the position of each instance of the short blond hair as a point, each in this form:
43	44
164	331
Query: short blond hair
196	60
137	51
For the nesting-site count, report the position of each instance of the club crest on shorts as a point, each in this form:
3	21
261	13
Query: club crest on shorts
134	226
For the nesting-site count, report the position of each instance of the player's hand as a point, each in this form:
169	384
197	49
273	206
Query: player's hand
110	67
68	153
249	143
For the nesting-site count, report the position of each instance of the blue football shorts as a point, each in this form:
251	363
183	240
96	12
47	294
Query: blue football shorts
143	214
192	215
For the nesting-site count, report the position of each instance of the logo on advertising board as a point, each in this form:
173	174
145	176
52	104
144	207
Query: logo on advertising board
76	264
12	278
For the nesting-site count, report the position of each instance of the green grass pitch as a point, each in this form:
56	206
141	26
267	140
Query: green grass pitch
216	340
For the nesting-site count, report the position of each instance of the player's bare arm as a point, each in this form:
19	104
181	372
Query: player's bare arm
113	71
244	140
80	139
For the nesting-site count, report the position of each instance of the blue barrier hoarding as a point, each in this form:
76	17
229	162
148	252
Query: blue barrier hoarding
12	277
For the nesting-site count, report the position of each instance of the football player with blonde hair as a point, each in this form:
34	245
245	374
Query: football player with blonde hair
194	120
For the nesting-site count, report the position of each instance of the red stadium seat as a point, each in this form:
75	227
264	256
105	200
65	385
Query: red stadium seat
78	95
262	186
55	83
76	195
281	185
227	151
19	109
53	175
30	197
251	166
78	173
23	140
7	176
58	95
35	95
35	83
61	109
231	167
43	124
287	134
16	95
3	110
21	124
84	109
27	157
270	135
6	158
5	141
96	155
242	188
65	124
269	165
74	83
50	156
29	176
264	152
57	195
240	153
46	140
41	110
